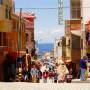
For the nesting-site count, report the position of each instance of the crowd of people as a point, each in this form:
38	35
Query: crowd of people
55	73
37	71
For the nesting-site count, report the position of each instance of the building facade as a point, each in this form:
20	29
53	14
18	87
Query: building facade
73	41
85	11
87	31
10	25
18	36
5	28
58	48
29	26
73	32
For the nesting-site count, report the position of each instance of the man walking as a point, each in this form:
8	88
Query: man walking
83	68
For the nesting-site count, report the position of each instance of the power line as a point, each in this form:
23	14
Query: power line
37	8
53	8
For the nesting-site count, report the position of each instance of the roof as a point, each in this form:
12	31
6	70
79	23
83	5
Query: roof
27	15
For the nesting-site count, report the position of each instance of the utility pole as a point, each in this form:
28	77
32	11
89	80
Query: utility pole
83	33
19	43
19	31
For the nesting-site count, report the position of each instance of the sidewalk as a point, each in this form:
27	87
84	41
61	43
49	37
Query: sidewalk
73	81
78	81
43	86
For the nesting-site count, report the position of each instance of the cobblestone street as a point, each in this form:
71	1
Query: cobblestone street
78	81
41	86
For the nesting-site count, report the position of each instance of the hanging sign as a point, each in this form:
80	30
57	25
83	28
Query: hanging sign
60	12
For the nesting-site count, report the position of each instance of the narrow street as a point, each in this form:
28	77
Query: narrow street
44	44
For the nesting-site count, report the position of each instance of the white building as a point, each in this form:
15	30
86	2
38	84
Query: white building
58	48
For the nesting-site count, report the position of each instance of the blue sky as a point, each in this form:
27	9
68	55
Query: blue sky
46	23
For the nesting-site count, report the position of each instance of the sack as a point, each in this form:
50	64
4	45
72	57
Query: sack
86	74
66	72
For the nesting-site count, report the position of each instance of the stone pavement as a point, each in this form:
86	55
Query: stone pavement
78	81
44	86
73	81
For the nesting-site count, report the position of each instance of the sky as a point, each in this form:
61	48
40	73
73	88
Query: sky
46	22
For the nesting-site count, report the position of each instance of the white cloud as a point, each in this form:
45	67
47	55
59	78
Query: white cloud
48	35
40	32
56	31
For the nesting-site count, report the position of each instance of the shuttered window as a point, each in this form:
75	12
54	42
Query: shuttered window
3	41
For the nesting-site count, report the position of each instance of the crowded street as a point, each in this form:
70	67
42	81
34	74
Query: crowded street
45	44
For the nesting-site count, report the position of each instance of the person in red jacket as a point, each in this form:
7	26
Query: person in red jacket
45	76
51	73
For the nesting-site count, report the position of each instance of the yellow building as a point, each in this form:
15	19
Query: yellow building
10	25
18	27
5	27
5	16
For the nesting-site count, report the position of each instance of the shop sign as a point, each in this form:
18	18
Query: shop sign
60	12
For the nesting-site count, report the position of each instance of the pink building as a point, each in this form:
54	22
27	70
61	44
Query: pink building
29	25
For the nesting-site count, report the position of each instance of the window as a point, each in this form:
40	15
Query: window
1	1
14	25
27	37
75	9
3	41
8	12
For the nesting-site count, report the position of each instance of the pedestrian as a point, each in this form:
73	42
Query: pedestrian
62	71
38	75
24	72
45	76
55	75
83	68
79	72
50	74
33	73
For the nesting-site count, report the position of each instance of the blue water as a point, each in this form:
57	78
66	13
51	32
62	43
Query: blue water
44	47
